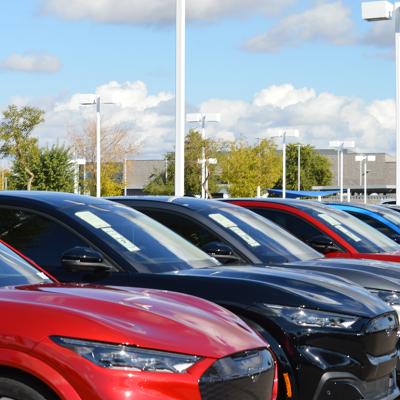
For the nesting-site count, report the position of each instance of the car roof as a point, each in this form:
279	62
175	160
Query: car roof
368	207
191	203
54	199
304	205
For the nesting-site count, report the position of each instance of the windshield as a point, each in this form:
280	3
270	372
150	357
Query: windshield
139	239
14	270
269	242
358	234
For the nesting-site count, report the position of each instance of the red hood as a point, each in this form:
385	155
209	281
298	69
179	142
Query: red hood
142	317
393	257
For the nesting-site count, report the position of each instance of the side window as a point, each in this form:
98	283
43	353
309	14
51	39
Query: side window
40	238
380	226
292	223
186	227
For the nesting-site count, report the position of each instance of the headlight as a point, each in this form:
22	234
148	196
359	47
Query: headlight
128	357
313	318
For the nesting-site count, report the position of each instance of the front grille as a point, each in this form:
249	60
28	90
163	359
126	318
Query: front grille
243	376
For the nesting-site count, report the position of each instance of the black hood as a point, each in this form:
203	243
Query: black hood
281	286
370	274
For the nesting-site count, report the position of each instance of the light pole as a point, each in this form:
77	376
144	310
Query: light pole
202	119
383	11
180	97
284	135
364	161
298	166
97	101
340	146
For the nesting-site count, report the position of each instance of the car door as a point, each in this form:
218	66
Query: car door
44	240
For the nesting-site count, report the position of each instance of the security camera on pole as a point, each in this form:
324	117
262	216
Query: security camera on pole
340	146
202	119
364	160
383	11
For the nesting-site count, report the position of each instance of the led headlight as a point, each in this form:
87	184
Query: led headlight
128	357
313	318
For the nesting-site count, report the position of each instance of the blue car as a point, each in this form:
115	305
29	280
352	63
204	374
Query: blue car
381	218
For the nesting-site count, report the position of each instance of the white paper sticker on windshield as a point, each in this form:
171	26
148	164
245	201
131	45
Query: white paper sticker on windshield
123	241
330	220
92	219
348	233
247	238
222	220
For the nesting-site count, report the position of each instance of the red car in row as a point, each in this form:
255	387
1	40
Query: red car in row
332	232
81	342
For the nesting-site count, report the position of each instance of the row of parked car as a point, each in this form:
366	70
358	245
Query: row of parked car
241	299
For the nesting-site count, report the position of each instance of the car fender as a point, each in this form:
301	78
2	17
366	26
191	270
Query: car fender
33	366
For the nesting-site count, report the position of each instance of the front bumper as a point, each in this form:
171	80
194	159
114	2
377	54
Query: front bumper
336	385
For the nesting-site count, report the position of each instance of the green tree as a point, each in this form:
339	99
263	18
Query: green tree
16	141
315	169
52	170
245	167
163	183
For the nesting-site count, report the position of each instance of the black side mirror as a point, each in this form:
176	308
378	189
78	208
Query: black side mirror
323	244
84	259
222	252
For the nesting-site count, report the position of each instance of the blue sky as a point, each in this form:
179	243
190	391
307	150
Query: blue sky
88	45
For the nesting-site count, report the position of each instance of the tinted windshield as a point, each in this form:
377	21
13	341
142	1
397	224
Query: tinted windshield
361	236
14	270
139	239
269	242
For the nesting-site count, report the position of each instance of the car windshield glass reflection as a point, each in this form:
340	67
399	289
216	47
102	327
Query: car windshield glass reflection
358	234
14	270
140	239
266	240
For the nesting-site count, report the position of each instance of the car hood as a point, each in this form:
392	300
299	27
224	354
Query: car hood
372	274
146	318
283	286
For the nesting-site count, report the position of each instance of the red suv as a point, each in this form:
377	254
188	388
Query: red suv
81	342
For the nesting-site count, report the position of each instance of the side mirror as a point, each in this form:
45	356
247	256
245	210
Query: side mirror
84	259
323	244
222	252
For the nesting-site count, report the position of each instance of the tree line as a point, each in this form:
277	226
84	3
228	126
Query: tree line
241	167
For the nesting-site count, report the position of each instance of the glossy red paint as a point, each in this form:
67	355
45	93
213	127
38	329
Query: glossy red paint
152	319
350	251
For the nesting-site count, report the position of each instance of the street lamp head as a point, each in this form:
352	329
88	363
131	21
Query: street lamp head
377	10
342	144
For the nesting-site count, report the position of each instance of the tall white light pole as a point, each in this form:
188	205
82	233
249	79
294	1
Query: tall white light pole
364	161
203	119
97	102
180	97
383	11
298	167
284	135
340	146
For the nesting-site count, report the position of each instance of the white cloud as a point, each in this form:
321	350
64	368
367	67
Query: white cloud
325	22
282	96
380	34
157	11
150	117
31	63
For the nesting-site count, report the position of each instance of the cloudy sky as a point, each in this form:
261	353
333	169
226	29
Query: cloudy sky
265	65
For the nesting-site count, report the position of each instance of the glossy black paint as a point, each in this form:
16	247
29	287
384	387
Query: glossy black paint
247	291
